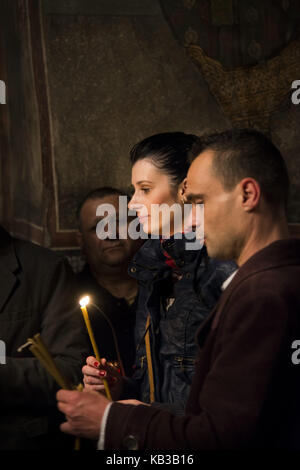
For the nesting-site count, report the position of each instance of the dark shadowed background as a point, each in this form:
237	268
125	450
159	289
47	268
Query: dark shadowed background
87	79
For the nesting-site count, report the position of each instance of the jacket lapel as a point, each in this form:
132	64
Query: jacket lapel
205	327
7	281
212	320
8	266
278	253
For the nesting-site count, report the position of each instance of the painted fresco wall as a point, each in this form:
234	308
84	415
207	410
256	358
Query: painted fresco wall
86	79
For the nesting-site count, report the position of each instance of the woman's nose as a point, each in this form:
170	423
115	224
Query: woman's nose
134	204
131	203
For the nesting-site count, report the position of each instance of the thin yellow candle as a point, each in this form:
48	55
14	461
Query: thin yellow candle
83	303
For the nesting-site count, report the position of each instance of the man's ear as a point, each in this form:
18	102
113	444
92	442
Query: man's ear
79	238
251	193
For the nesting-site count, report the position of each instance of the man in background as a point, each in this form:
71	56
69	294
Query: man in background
37	295
105	279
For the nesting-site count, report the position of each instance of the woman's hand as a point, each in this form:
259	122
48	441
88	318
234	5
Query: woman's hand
94	372
133	402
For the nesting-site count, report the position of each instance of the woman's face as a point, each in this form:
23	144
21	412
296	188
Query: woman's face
152	189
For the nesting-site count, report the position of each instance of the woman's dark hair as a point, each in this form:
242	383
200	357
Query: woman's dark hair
170	152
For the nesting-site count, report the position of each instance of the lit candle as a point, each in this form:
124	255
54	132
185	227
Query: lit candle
84	301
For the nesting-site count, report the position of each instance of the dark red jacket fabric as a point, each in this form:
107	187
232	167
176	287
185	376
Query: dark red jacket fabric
246	389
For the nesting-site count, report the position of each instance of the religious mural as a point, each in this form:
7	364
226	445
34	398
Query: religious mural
87	82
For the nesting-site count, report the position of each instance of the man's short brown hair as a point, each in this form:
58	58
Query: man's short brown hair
241	153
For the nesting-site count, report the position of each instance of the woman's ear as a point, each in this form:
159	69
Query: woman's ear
181	191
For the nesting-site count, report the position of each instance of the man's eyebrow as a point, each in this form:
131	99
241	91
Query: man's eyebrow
192	197
100	217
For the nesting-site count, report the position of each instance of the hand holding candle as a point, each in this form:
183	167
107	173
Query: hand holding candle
39	350
84	301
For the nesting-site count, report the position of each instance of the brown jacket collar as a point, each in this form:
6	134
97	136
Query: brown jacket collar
279	253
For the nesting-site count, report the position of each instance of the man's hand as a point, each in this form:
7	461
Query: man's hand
84	412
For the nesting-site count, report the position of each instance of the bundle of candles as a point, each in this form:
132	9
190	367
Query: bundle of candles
39	350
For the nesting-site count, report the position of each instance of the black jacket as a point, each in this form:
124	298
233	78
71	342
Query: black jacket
172	330
36	296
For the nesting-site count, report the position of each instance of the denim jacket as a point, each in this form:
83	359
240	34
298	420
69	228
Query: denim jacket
172	331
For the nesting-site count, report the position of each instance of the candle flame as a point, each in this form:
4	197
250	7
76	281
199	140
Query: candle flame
84	301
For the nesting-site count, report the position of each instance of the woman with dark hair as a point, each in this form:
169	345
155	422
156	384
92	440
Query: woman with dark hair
177	287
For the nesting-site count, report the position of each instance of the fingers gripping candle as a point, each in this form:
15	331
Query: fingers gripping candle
84	301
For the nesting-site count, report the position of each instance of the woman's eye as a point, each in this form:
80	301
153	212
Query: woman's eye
145	190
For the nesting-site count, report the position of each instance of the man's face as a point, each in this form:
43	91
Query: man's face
221	208
103	252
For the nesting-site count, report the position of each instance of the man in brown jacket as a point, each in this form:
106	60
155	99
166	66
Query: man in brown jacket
245	392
